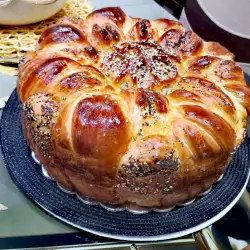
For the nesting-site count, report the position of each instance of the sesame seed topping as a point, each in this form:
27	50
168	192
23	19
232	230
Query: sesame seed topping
145	61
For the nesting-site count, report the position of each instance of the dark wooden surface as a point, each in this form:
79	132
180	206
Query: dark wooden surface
173	6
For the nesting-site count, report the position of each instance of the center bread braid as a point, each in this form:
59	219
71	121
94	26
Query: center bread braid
126	110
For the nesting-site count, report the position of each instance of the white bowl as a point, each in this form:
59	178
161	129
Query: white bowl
230	15
20	12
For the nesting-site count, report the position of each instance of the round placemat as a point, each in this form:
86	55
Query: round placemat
28	177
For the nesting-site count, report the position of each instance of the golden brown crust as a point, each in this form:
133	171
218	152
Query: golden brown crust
127	110
100	121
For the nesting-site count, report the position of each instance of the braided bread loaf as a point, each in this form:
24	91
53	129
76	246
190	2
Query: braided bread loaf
125	110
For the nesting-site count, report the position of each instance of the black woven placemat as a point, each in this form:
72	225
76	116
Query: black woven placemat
28	177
